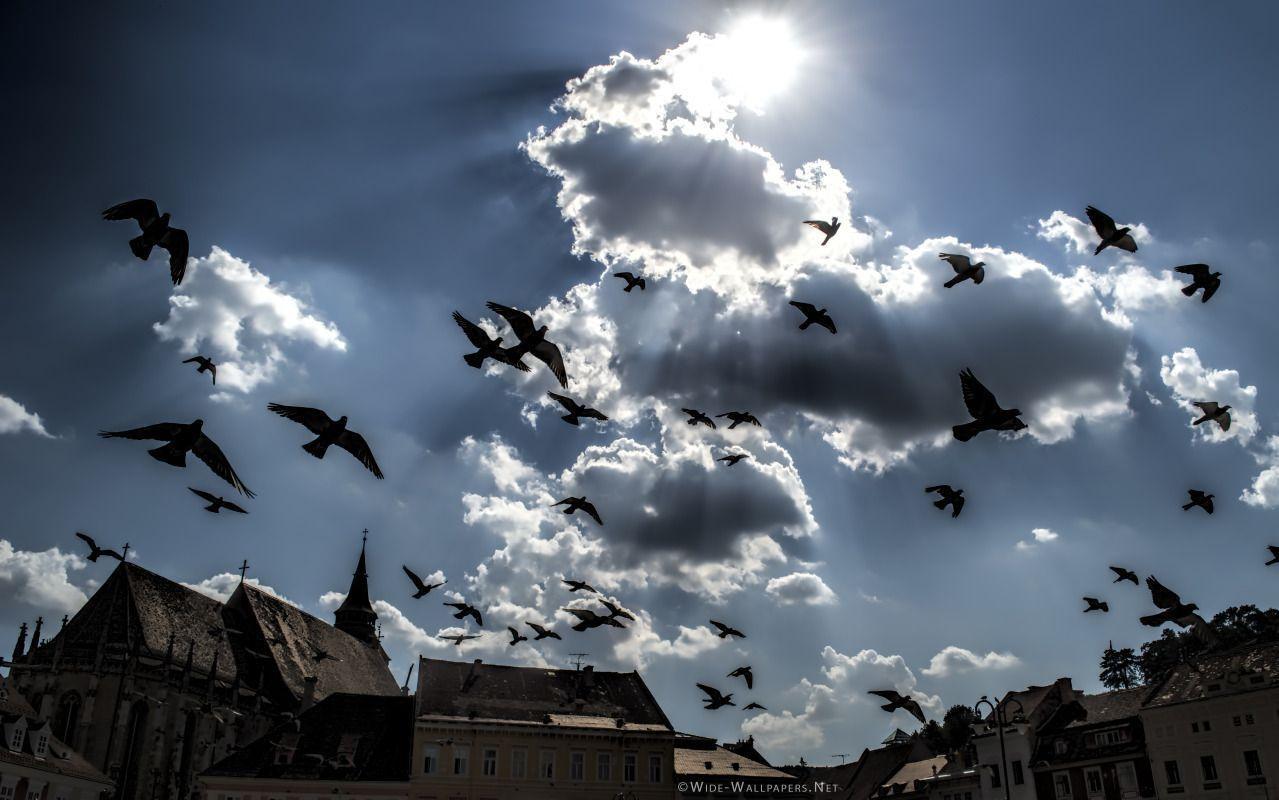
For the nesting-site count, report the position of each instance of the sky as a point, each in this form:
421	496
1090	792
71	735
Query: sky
349	176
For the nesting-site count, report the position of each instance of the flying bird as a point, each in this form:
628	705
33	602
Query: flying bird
828	228
905	702
465	610
949	497
733	458
488	347
985	410
1198	498
329	432
1125	575
1096	605
965	269
1274	554
580	504
215	503
725	631
696	417
1202	277
589	619
1111	236
814	316
182	439
631	281
532	340
422	588
543	632
516	637
155	232
740	418
615	610
322	655
578	586
206	365
714	698
1214	413
745	674
754	707
457	638
1174	610
575	410
96	552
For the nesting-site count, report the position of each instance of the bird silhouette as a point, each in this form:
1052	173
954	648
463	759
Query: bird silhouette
1214	413
578	586
487	347
696	417
215	503
1198	498
155	232
575	410
952	497
533	341
714	698
589	619
580	504
1174	610
457	638
740	418
1274	554
725	631
1096	605
206	365
329	432
1111	236
615	610
182	439
828	228
322	655
985	410
516	637
1202	277
814	316
904	702
733	458
421	588
631	281
754	707
465	610
965	269
746	674
1125	575
96	552
543	632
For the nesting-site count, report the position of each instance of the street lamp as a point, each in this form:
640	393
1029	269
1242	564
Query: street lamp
997	710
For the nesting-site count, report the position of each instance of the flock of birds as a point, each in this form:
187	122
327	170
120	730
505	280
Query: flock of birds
531	340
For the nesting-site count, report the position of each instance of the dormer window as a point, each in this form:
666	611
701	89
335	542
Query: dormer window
17	737
42	745
1061	747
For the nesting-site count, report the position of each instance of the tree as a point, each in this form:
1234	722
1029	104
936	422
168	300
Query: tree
1120	669
1234	626
957	725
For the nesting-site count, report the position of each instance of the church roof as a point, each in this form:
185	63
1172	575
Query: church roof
357	597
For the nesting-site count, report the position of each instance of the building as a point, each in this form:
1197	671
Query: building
863	779
911	781
1212	726
704	768
1004	757
34	763
1094	748
152	682
956	779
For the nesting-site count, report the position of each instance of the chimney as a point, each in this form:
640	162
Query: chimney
35	636
21	646
308	694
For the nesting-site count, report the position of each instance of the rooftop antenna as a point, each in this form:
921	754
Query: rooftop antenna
244	567
841	756
578	658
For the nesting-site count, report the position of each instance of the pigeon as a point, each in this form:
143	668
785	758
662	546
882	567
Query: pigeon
900	701
589	619
754	707
696	417
1096	605
985	410
543	632
488	347
216	503
964	268
578	586
532	341
206	365
725	631
1274	555
1198	498
465	610
155	231
516	637
575	410
1175	611
94	551
952	497
814	316
580	504
745	674
740	418
616	610
1214	413
714	698
631	281
329	432
1202	278
422	588
1125	575
322	655
457	638
1111	236
182	439
828	228
733	458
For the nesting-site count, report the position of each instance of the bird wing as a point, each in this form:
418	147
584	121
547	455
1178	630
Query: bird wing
520	322
1196	495
1119	571
958	505
112	554
626	276
1224	421
1196	271
1211	289
1126	242
192	360
208	451
143	210
568	402
203	495
313	419
87	539
413	576
912	706
1162	595
550	354
980	401
888	694
1208	407
1092	601
711	692
943	488
820	224
179	246
354	443
1101	221
808	308
1274	551
233	507
960	264
473	332
721	626
163	432
589	508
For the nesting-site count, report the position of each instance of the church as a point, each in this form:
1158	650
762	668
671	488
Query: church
152	682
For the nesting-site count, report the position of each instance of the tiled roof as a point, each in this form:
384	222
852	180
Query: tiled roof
62	760
1110	706
876	766
690	762
1243	669
913	771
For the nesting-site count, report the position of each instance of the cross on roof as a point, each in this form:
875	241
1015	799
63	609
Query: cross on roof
125	555
244	567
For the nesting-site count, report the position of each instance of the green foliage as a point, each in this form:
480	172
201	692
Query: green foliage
1235	626
1120	669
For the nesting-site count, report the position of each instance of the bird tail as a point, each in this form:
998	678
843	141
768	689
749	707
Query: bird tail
1274	560
1189	291
571	419
950	283
1153	620
803	326
140	248
212	507
889	707
966	431
628	288
1100	247
170	454
316	448
940	503
1187	506
1105	607
475	359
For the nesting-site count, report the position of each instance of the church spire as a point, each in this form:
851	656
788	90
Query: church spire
356	615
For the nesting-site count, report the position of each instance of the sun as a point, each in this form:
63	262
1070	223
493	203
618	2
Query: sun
760	58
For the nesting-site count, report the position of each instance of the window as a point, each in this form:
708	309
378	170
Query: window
1248	720
995	780
1127	775
488	767
1061	785
546	765
1018	777
1194	727
430	759
6	793
654	768
1208	765
1172	771
1104	738
15	741
967	796
1207	725
42	744
1092	781
603	766
519	762
577	766
1061	746
1238	720
630	767
1252	763
461	760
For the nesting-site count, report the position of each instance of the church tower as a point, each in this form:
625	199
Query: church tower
356	615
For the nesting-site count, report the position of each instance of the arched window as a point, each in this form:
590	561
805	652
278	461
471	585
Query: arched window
134	752
66	720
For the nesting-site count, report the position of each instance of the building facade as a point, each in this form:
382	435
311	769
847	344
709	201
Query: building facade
34	764
1094	749
703	768
1004	758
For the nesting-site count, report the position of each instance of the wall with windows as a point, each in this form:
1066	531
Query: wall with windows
1019	743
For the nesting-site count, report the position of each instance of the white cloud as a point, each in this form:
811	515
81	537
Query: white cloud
14	418
1079	237
1185	374
801	587
237	316
221	586
953	660
1264	491
1038	536
40	579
